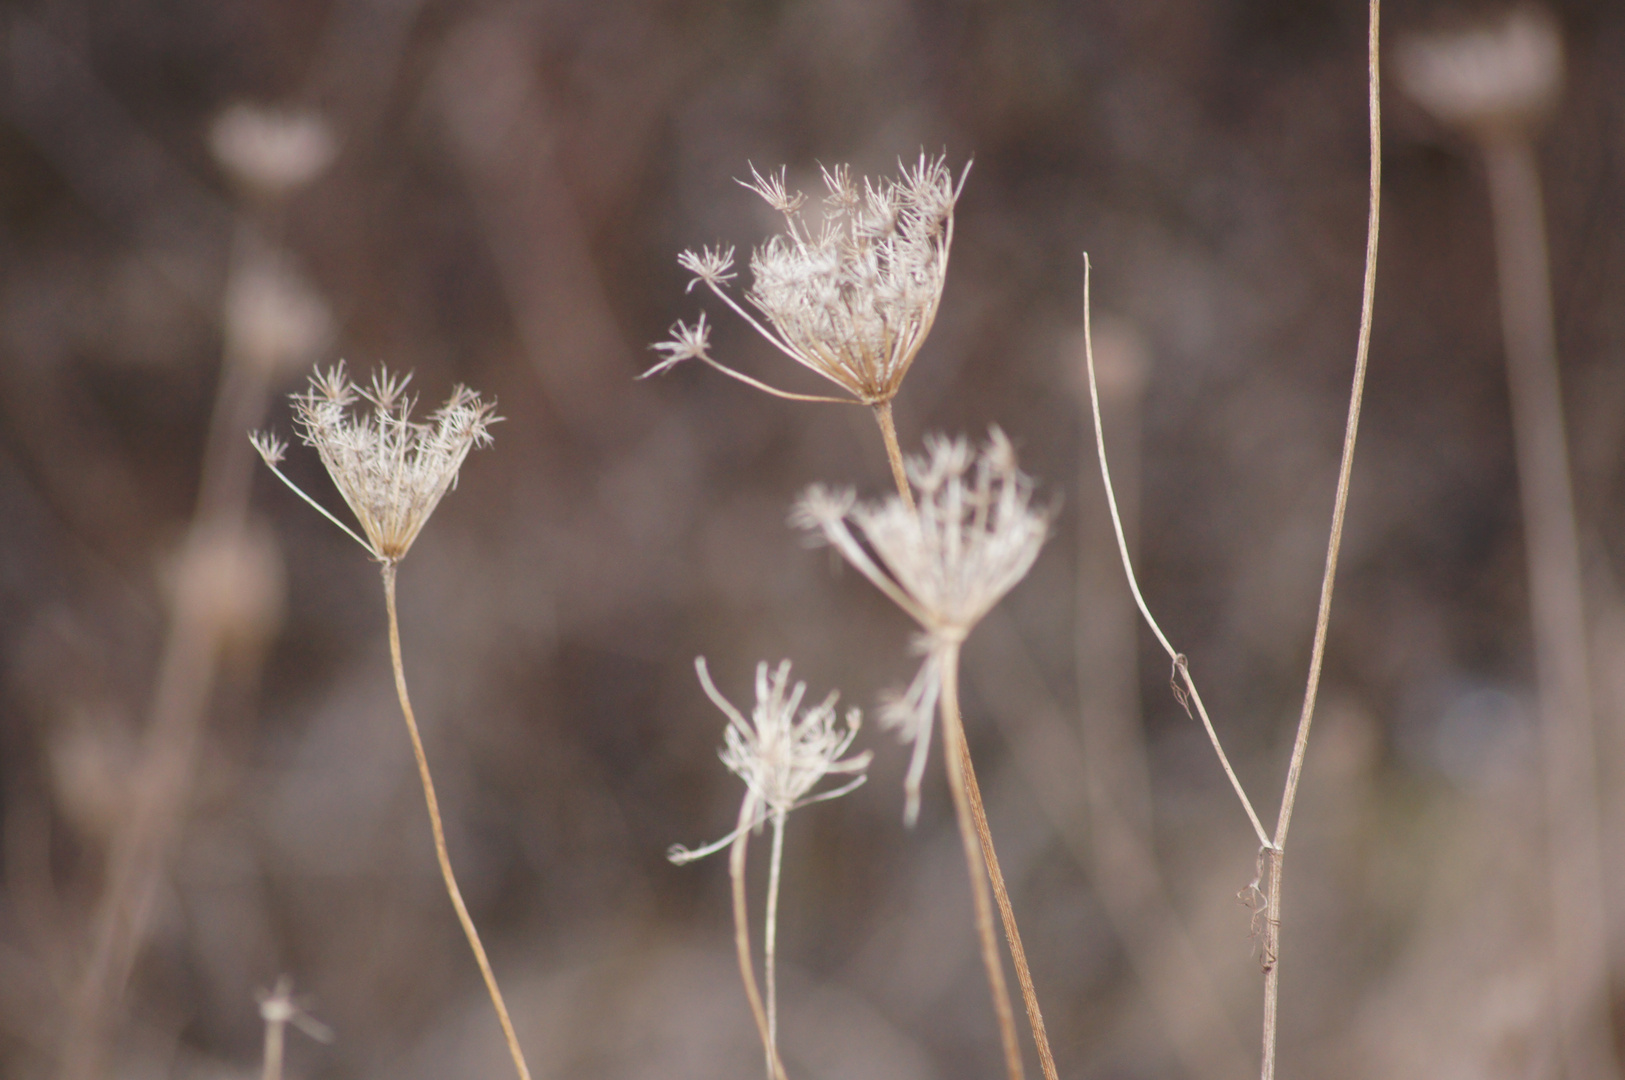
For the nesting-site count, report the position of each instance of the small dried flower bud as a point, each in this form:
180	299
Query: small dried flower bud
270	152
1489	79
274	320
779	755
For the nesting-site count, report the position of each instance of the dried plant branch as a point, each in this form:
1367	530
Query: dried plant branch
1275	853
894	453
1001	896
747	968
957	759
1185	687
435	825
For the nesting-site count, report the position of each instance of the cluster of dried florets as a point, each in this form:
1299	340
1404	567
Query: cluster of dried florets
1488	78
851	296
391	470
973	536
779	756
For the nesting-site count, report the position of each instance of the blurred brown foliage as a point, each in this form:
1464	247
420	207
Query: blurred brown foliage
512	185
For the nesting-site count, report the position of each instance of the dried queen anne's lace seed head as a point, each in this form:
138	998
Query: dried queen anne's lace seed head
391	470
974	535
1490	79
781	757
851	297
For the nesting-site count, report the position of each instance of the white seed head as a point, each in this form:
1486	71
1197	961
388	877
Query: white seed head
853	295
1488	78
271	151
780	755
391	470
973	536
686	343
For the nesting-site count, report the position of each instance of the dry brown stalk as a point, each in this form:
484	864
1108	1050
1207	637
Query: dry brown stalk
435	825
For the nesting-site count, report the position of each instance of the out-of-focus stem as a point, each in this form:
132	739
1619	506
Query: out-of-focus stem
439	831
894	454
1557	608
955	758
747	967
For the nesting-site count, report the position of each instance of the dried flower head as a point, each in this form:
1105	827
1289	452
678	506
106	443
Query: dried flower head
779	756
391	470
974	535
271	151
1489	78
851	296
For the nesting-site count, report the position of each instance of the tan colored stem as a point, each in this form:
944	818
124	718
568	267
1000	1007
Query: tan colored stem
747	967
1274	854
956	759
439	831
894	454
1012	935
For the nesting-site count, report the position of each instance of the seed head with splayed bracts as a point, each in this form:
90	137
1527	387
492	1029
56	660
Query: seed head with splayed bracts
391	470
779	756
974	536
852	296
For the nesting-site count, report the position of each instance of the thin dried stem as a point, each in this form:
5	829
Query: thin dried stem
747	967
770	932
956	759
894	453
1187	693
1274	855
1012	935
439	831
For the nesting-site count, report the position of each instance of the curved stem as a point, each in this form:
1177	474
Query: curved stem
439	831
956	759
747	969
894	454
1012	936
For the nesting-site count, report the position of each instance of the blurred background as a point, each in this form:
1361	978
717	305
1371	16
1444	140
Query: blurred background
204	784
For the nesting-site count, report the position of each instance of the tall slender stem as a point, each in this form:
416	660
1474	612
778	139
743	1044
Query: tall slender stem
1557	610
956	759
439	831
770	933
1274	855
1012	936
894	454
747	967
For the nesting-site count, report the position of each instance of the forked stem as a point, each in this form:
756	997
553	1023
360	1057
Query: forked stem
439	831
894	454
1012	935
957	760
747	967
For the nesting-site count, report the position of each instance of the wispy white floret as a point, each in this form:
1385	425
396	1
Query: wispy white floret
391	470
974	535
853	295
781	757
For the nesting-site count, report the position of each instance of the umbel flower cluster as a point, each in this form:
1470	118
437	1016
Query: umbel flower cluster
781	757
851	296
391	470
973	536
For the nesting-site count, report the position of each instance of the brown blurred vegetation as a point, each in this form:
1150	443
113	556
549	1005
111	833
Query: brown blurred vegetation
512	186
